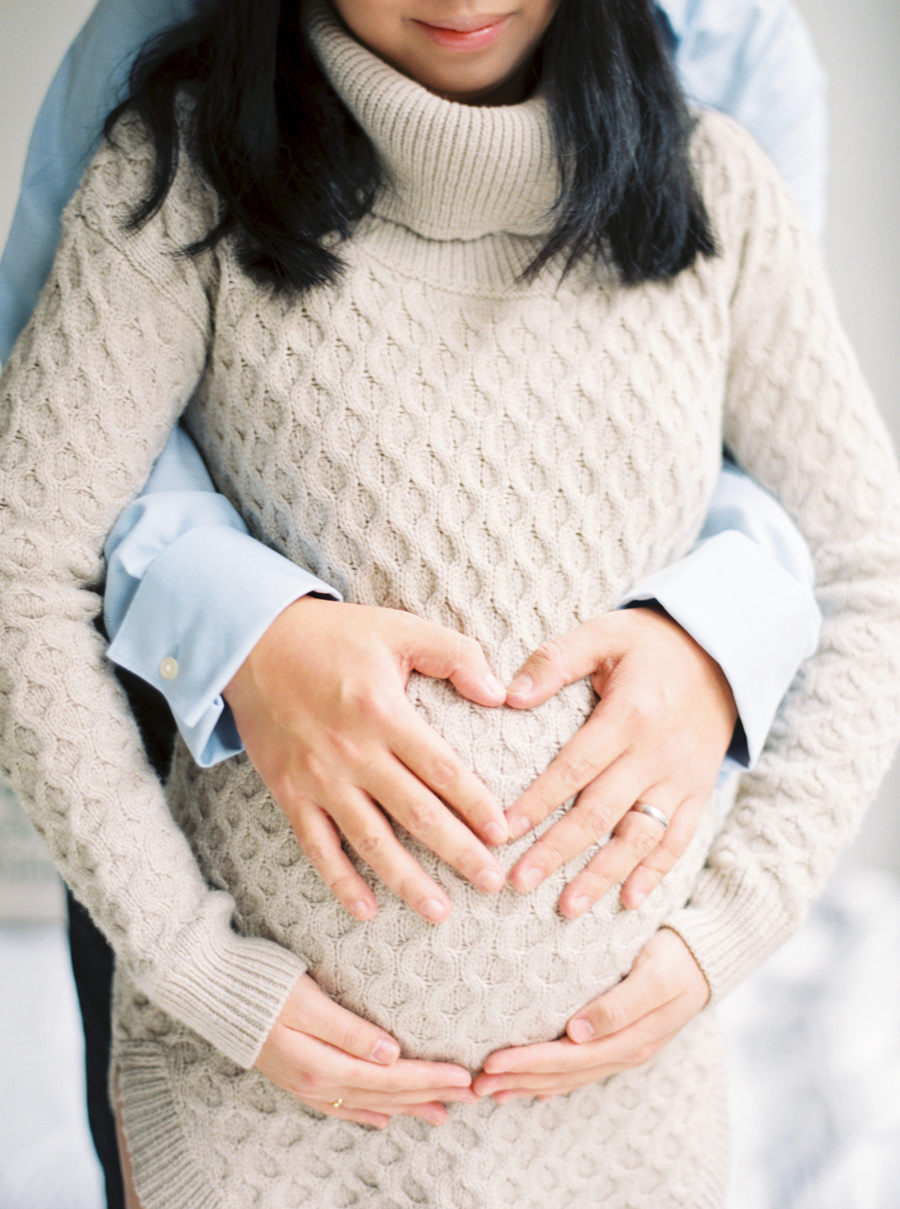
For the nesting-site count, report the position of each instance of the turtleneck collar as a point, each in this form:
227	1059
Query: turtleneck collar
453	171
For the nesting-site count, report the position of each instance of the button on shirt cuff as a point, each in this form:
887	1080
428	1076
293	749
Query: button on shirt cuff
202	605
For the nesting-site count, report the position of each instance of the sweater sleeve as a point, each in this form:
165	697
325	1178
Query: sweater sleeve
799	417
115	348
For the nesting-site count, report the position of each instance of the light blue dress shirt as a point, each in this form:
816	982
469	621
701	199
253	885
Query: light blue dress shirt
754	59
189	592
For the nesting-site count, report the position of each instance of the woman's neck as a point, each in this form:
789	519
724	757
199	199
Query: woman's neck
516	88
451	171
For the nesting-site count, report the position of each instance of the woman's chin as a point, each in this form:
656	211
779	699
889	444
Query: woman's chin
471	83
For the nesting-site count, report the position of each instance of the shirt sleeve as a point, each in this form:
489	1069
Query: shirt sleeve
189	593
90	81
755	60
745	594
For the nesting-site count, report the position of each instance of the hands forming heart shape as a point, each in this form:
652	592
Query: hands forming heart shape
321	706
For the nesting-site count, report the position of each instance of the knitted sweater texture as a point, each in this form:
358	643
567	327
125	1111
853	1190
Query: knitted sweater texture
425	434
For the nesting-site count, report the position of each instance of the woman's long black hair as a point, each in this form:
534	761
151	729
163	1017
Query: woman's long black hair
291	165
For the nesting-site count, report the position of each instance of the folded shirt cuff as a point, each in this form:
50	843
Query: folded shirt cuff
755	619
201	607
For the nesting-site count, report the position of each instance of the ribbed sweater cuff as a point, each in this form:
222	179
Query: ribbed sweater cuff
731	925
228	988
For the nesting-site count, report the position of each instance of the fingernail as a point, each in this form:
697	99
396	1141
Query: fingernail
517	825
498	1068
386	1051
637	898
458	1097
496	833
528	879
433	910
579	905
493	685
581	1030
489	880
520	687
359	909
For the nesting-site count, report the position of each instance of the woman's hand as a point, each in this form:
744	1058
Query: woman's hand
320	704
657	736
622	1029
346	1067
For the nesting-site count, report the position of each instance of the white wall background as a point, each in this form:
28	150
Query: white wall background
859	43
33	37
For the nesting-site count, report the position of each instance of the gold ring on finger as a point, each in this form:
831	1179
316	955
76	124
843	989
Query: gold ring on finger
338	1102
653	813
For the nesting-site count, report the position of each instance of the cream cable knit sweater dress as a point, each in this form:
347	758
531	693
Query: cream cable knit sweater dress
426	434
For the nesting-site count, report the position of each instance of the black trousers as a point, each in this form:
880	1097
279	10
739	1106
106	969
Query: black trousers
92	966
93	961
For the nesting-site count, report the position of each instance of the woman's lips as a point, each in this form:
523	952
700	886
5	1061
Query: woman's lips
471	33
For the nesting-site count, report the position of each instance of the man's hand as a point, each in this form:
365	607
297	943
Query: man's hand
346	1067
658	736
320	704
622	1029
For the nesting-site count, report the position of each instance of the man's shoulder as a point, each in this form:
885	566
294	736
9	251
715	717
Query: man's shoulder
689	18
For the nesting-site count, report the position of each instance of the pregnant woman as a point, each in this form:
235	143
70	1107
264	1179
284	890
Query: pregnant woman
477	361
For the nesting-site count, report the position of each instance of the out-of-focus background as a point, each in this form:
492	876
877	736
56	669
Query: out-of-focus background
815	1035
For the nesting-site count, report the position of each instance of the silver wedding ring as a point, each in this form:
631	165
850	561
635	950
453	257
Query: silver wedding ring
653	813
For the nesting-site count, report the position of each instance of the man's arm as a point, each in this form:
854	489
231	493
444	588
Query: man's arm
189	593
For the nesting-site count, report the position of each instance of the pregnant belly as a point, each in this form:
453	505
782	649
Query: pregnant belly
504	969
